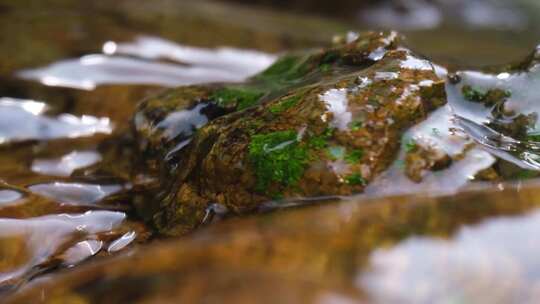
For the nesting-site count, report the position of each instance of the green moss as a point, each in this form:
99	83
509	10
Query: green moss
282	66
328	132
490	97
285	104
471	94
533	137
526	174
354	156
328	60
277	157
278	196
287	68
318	142
241	97
355	179
356	125
330	57
321	141
410	145
325	67
254	126
519	127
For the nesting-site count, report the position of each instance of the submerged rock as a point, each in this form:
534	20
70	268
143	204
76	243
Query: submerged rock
320	123
499	110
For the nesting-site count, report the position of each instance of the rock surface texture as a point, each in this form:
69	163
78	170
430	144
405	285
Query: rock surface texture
321	123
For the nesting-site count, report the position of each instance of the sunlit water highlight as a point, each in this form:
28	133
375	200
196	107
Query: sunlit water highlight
22	120
42	237
497	259
477	119
70	239
138	63
67	164
75	193
9	196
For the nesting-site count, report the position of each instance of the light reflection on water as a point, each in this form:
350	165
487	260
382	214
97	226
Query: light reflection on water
484	122
81	251
22	120
122	242
420	14
75	193
191	65
71	238
137	62
436	132
494	262
67	164
240	62
9	196
33	241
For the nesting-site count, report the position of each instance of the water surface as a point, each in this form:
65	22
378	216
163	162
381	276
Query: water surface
70	87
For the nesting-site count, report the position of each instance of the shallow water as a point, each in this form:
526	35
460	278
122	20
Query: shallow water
188	65
54	170
53	178
67	164
40	127
473	248
66	190
416	270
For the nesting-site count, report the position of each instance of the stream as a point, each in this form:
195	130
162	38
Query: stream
72	183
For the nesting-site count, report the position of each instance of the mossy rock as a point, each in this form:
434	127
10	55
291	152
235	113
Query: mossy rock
320	123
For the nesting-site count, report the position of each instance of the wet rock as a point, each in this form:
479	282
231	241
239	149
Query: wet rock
420	159
499	109
313	124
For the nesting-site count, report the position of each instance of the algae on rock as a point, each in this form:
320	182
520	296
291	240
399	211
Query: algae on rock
275	136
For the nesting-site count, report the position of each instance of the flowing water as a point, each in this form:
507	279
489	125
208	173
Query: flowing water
66	174
62	181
